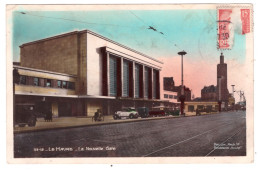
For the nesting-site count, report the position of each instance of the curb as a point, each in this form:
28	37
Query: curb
94	124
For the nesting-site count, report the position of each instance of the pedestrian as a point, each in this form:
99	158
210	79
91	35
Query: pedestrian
48	116
97	116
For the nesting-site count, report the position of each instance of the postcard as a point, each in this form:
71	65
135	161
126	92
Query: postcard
151	83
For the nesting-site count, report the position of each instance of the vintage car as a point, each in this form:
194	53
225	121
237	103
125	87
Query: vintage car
128	112
157	111
25	115
172	111
143	112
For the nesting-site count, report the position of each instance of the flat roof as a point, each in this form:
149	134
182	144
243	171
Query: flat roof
93	33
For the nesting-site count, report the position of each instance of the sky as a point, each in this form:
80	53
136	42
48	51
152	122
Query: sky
194	31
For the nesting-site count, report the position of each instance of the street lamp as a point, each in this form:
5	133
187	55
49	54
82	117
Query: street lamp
182	97
233	90
219	93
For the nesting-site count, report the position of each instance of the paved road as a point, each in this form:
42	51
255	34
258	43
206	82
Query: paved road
221	134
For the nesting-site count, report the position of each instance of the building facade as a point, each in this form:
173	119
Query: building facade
191	107
169	86
209	93
76	73
187	92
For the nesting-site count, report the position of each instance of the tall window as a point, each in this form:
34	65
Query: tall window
71	85
146	82
112	76
22	79
154	84
125	78
48	83
64	84
137	81
59	84
36	81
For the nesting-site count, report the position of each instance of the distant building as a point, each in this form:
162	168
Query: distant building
187	93
231	100
168	94
209	93
219	92
169	85
204	107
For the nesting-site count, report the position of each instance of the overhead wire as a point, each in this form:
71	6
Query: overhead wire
72	20
152	28
105	24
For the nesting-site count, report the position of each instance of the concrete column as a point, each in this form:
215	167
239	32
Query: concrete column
150	81
142	81
107	75
132	79
158	85
120	77
105	72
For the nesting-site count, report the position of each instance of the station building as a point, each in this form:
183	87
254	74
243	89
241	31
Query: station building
76	73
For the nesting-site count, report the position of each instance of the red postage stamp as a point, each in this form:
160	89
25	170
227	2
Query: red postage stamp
223	28
245	18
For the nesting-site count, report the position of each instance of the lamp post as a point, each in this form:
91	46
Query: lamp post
219	93
182	96
233	90
16	79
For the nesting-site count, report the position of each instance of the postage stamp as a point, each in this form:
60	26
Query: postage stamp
232	19
130	83
245	18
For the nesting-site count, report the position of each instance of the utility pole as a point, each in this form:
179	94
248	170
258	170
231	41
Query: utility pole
240	96
219	93
233	90
182	97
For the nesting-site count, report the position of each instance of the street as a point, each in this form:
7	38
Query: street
222	134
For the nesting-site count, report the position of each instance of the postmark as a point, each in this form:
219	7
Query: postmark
224	30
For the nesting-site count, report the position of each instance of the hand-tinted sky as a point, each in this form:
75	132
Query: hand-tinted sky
194	31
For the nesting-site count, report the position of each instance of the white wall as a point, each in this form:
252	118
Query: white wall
94	60
169	93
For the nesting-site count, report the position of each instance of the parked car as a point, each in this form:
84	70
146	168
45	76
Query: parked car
25	115
128	112
157	111
143	112
172	111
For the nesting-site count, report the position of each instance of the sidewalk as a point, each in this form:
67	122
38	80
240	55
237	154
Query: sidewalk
71	122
